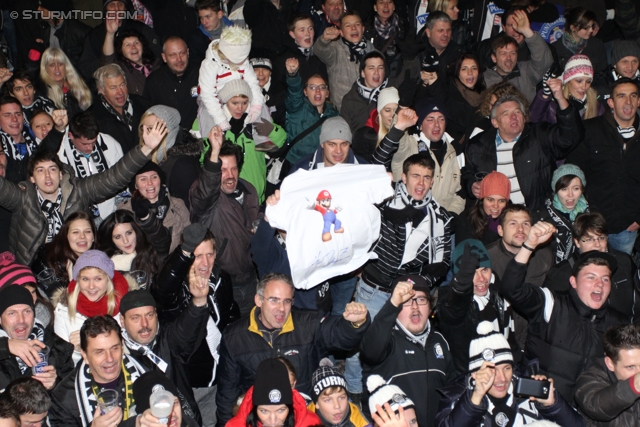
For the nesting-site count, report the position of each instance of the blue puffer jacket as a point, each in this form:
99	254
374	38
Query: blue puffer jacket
301	115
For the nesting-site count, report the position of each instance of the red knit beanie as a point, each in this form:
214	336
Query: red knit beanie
495	183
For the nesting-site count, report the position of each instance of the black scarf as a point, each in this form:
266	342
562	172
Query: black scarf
127	111
161	206
17	150
40	103
370	94
306	52
502	415
51	211
356	50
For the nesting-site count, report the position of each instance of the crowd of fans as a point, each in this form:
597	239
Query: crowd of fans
139	160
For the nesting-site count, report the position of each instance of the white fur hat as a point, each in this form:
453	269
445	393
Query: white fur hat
235	43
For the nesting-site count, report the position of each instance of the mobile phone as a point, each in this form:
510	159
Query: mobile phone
527	387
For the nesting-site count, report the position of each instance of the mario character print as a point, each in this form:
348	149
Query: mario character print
329	216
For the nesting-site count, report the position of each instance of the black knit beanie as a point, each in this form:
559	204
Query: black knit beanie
272	385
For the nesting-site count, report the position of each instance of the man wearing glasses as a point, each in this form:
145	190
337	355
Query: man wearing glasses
403	345
590	233
273	330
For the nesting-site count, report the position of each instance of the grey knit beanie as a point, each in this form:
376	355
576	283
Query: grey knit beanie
233	88
623	48
172	118
567	169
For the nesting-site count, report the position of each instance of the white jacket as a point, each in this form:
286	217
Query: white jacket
214	74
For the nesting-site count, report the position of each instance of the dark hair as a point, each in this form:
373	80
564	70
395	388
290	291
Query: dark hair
317	76
479	219
578	17
8	99
148	57
513	208
502	40
564	182
58	251
98	325
420	159
290	368
350	13
455	70
291	25
253	420
43	156
228	148
38	112
8	412
146	257
28	396
589	222
374	54
435	17
511	11
84	125
207	4
591	261
622	81
19	75
621	337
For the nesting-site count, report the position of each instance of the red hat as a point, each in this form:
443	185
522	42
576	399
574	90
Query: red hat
324	194
495	183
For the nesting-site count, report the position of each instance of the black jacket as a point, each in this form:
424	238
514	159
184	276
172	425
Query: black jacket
625	284
175	344
171	292
59	357
457	410
268	26
603	400
386	350
564	334
90	59
611	169
534	155
305	338
109	124
71	35
356	109
459	315
165	88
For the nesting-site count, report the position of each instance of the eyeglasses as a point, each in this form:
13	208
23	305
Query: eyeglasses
417	300
317	87
601	239
278	301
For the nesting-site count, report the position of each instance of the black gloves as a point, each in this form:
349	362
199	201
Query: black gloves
467	265
141	206
192	236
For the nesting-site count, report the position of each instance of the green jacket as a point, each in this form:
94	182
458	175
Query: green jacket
254	168
301	115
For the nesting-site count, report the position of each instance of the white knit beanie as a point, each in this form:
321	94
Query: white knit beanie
381	393
388	95
233	88
490	346
235	43
577	66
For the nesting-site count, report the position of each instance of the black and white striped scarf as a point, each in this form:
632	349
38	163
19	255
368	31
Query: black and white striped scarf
370	94
356	50
87	401
40	103
403	198
37	333
127	112
10	147
145	350
51	211
82	164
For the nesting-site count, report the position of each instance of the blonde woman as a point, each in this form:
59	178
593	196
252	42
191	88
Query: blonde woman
96	290
172	118
576	90
65	87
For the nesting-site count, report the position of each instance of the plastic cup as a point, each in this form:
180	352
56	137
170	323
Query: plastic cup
161	404
108	400
44	360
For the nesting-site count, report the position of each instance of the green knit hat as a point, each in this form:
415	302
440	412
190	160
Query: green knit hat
567	169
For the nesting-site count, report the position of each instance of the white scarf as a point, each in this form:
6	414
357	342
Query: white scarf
145	350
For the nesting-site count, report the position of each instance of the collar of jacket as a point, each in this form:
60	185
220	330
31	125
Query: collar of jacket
512	75
585	311
355	417
253	323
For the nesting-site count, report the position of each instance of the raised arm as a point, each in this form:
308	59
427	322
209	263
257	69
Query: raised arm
391	141
204	196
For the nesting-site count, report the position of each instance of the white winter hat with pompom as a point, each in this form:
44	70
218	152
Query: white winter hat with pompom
380	393
490	346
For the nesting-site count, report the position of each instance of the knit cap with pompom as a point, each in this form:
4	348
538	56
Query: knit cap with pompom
490	346
381	393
